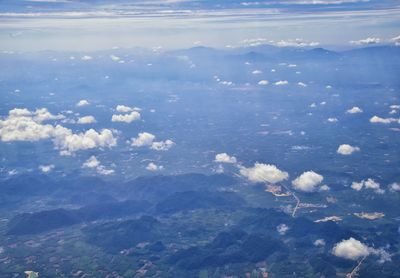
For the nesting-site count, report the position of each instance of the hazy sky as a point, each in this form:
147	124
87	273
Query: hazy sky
95	25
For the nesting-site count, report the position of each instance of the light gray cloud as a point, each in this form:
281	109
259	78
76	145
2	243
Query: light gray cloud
346	149
351	249
86	120
225	158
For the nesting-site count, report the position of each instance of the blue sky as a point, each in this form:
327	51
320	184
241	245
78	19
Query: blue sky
95	25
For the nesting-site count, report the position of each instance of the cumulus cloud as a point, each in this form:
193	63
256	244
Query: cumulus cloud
263	82
82	102
282	229
367	184
376	119
366	41
256	72
123	109
86	120
162	145
261	172
46	168
332	120
153	167
127	118
143	139
281	83
319	242
25	125
346	149
308	181
351	249
301	84
394	187
147	139
354	110
225	158
94	163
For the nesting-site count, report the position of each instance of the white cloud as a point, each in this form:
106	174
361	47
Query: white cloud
25	125
153	167
282	229
350	249
281	83
86	120
319	242
86	58
82	102
394	187
376	119
354	110
367	184
264	173
123	108
295	43
127	118
332	120
147	139
162	145
69	142
92	162
369	40
263	82
143	139
256	72
308	181
225	158
346	149
301	84
46	168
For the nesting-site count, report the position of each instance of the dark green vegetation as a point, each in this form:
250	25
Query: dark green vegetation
182	230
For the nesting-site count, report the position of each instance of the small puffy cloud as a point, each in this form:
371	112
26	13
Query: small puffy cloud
86	120
332	120
261	172
143	139
82	102
354	110
263	82
367	184
86	58
256	72
394	187
127	118
92	162
123	109
376	119
319	242
301	84
351	249
153	167
162	145
225	158
308	181
367	41
282	229
346	149
46	168
281	83
147	139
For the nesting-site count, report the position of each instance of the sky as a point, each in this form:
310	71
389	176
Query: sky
71	25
